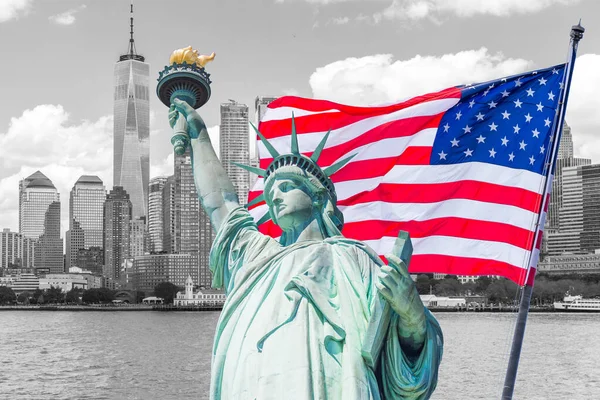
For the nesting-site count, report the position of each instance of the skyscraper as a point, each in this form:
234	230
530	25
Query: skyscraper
260	108
131	167
117	218
233	134
86	205
565	159
169	215
16	250
39	219
155	214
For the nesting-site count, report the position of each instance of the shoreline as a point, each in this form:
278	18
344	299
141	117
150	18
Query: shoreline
163	308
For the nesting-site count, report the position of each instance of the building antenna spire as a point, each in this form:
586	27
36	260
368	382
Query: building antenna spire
131	51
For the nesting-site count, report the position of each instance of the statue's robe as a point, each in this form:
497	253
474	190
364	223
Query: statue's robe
295	319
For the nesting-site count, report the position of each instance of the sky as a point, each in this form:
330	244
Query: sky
57	60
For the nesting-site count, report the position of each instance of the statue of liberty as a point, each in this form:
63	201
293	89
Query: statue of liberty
298	309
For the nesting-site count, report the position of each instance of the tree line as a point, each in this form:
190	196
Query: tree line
56	295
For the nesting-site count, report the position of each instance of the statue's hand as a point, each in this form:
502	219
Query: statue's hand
397	288
195	122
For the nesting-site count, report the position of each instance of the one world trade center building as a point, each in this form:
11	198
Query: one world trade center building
131	165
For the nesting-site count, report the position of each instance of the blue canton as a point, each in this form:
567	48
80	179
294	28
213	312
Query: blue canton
507	122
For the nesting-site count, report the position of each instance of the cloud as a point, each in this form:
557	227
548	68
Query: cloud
340	20
434	9
12	9
45	138
583	106
380	79
67	17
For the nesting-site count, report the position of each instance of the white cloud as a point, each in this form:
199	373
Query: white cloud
340	20
67	17
583	107
10	9
380	78
46	139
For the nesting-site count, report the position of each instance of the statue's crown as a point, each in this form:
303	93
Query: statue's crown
308	165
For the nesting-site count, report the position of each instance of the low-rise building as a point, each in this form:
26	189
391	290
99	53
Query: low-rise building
66	282
204	297
571	264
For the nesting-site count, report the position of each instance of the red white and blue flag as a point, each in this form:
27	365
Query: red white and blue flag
463	170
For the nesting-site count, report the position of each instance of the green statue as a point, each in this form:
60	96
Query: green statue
298	310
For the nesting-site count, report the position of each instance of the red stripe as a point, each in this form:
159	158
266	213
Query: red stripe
315	105
389	130
436	192
428	263
448	226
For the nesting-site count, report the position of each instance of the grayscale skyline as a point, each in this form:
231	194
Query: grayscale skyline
59	57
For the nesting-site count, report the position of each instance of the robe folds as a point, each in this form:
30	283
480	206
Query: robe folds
293	324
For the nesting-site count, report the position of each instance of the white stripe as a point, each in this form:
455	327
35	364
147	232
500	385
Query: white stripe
458	208
280	113
308	142
429	174
457	247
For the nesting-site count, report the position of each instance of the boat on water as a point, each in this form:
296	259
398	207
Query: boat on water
577	303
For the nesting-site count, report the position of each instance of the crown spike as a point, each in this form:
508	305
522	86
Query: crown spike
264	218
255	170
332	169
256	200
294	137
274	153
317	153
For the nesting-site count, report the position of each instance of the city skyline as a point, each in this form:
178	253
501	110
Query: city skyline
346	52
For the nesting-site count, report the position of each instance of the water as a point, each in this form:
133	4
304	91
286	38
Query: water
166	355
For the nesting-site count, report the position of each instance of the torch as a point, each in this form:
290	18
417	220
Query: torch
185	79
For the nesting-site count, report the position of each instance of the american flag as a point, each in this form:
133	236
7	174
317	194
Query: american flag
462	170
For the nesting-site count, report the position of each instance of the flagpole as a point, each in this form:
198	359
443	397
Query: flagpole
517	343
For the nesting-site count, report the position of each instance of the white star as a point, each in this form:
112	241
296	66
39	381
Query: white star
471	103
531	160
542	81
505	115
479	116
539	106
518	103
504	141
547	122
467	129
454	142
493	127
491	86
518	82
492	104
505	93
480	139
516	128
492	153
561	85
468	153
530	92
554	71
485	93
511	157
446	127
503	80
534	73
542	149
442	155
528	118
458	115
522	145
536	133
551	96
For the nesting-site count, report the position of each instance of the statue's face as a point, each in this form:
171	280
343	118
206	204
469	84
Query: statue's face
290	205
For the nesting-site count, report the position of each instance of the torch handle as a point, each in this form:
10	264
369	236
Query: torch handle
180	139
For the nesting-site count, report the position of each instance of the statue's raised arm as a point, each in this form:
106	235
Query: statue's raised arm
215	190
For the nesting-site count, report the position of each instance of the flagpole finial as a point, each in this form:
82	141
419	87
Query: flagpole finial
577	32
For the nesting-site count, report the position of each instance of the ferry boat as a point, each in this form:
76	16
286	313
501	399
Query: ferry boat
577	303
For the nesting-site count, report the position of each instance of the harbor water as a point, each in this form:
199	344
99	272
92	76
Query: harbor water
166	355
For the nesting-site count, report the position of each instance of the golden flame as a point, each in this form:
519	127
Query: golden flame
190	56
